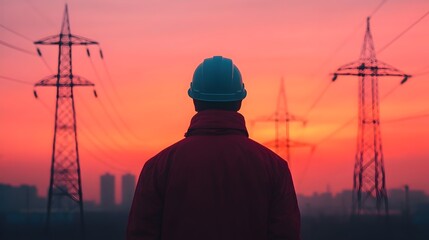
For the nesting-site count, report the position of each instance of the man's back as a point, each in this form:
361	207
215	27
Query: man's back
215	184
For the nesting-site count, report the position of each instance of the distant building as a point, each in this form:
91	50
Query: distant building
340	204
317	204
107	191
343	201
398	201
19	199
128	187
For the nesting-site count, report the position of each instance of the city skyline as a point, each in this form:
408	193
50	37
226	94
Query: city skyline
118	195
326	203
324	216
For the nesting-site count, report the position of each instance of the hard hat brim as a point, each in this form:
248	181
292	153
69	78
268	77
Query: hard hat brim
211	97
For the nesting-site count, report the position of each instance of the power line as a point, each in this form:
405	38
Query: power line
91	139
95	136
88	129
109	76
39	53
28	39
15	32
97	143
390	91
45	105
112	120
377	8
112	166
335	52
408	118
423	73
101	126
15	80
41	15
94	156
318	98
336	131
46	63
17	48
111	104
348	122
403	32
324	90
421	70
350	36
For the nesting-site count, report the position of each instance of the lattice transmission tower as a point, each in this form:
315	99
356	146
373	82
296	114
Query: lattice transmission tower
369	179
282	143
65	187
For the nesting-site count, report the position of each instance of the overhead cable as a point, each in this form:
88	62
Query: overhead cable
41	15
39	53
111	166
403	32
17	48
15	80
109	76
419	115
102	127
112	104
15	32
113	141
335	52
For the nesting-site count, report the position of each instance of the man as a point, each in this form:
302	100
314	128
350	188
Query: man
216	183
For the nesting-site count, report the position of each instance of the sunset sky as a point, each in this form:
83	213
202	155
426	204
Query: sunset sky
151	49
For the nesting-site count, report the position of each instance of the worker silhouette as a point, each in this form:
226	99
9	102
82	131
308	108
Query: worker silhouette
216	183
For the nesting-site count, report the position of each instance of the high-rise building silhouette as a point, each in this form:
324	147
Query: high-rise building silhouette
128	187
107	191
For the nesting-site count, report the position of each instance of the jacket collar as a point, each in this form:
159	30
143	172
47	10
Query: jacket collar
217	122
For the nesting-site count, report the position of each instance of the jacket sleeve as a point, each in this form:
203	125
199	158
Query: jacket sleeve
144	221
284	219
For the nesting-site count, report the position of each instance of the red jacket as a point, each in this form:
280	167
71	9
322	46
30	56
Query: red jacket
215	184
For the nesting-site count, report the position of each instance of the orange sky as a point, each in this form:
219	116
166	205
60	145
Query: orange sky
152	48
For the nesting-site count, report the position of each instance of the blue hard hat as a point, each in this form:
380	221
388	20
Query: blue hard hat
217	79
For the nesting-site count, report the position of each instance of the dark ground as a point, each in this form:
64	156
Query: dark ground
111	226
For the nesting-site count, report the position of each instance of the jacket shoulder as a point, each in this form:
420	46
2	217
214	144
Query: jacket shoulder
164	154
264	149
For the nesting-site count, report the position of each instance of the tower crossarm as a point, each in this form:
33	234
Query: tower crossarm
294	118
292	143
279	117
65	80
65	39
296	144
369	68
269	118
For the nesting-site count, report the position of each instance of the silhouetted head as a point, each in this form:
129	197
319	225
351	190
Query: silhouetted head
217	84
228	106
